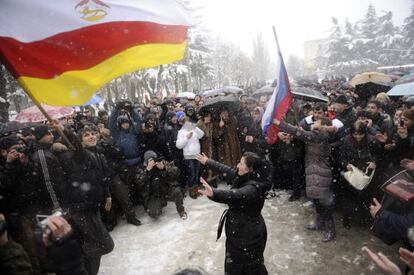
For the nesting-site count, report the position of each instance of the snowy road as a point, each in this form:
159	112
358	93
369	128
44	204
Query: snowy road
170	244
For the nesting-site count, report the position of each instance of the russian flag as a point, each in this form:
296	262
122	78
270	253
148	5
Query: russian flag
279	103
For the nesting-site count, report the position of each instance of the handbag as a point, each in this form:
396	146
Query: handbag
357	178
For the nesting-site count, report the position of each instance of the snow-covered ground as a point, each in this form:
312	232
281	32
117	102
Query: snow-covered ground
169	244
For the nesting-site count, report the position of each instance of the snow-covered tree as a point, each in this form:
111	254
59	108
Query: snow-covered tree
408	37
260	58
388	40
365	44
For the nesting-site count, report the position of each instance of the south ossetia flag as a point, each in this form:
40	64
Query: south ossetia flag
62	52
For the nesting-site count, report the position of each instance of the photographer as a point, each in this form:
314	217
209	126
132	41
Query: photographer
125	124
26	195
158	181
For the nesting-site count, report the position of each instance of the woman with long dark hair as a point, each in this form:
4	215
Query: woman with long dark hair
360	150
245	227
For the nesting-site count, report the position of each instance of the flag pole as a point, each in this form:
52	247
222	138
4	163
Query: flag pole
49	118
277	41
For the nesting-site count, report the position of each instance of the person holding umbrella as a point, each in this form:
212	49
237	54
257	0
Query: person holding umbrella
245	227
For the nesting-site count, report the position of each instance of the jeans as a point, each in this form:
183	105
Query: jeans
192	167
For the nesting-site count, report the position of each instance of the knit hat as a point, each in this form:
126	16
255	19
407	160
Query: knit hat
169	115
7	142
342	100
40	131
149	155
180	115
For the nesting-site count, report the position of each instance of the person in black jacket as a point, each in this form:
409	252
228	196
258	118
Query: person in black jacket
87	189
360	150
344	111
245	227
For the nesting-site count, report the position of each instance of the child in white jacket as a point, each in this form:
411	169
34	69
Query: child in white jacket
188	139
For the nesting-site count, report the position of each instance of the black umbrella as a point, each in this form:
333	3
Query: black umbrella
216	104
367	90
308	94
13	126
265	90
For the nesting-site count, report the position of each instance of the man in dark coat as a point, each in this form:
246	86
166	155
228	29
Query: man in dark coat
87	189
119	190
34	176
125	126
344	111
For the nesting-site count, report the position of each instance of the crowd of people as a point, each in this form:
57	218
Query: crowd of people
91	170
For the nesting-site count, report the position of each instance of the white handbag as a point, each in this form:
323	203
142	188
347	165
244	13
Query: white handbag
357	178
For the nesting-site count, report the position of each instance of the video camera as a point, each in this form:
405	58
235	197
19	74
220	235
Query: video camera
125	104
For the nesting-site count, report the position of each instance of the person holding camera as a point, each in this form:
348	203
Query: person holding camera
158	181
32	177
125	126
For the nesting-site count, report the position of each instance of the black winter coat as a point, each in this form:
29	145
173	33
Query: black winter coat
347	117
87	180
245	227
358	154
169	135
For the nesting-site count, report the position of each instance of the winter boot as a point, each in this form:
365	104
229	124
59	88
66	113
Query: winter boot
329	233
193	192
316	224
183	214
133	220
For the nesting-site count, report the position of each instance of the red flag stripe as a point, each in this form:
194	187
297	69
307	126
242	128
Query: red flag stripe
83	48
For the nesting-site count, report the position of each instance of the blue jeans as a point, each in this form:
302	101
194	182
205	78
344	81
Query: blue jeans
192	168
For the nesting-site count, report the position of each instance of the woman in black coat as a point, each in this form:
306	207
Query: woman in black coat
245	227
360	150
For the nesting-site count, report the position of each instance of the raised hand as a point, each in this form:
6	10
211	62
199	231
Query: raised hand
383	263
207	191
202	158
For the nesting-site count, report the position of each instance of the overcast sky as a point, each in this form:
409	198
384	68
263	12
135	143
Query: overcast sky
295	20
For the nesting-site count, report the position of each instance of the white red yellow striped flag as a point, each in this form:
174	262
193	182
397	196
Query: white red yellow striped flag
63	51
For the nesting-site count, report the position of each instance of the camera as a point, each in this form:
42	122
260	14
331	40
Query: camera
126	105
41	227
158	159
22	149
